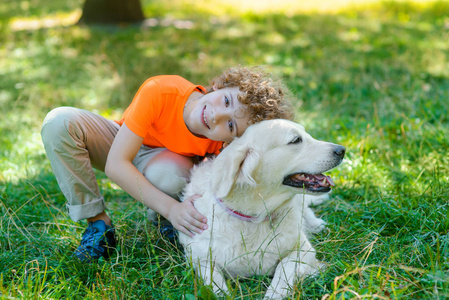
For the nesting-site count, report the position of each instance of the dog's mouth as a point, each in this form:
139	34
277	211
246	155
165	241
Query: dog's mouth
316	183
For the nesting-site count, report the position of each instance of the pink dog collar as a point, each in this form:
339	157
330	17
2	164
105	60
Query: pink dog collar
238	214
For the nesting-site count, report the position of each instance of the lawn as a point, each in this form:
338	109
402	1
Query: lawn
374	78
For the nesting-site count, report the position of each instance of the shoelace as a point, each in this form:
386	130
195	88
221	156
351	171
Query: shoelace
91	237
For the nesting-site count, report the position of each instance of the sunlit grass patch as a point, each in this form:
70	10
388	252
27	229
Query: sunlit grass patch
37	23
396	8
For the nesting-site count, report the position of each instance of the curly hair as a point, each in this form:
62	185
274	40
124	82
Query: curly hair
264	97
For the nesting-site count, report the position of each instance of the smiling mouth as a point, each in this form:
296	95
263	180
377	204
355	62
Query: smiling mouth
316	183
204	118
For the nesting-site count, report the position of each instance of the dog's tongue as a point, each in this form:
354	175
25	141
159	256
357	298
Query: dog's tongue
329	180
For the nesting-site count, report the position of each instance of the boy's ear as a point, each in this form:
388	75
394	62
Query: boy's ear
235	165
214	87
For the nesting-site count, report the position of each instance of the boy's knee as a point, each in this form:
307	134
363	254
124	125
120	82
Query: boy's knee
168	177
55	123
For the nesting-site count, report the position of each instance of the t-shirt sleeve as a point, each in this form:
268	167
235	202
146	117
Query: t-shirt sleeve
145	108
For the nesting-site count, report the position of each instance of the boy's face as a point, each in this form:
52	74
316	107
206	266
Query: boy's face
218	115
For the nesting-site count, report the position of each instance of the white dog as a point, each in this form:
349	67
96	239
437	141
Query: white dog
257	226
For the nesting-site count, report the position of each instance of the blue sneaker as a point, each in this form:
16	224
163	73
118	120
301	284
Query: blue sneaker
98	240
167	231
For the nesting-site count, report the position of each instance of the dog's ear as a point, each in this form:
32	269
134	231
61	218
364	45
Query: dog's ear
237	169
247	167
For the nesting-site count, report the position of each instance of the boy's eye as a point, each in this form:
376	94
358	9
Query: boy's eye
226	101
231	125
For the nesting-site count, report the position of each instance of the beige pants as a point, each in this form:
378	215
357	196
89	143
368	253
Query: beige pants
76	141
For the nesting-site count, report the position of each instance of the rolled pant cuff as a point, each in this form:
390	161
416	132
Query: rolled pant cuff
88	210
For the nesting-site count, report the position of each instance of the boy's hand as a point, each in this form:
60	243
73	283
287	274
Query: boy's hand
185	218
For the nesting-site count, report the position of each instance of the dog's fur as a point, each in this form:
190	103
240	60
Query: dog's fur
251	176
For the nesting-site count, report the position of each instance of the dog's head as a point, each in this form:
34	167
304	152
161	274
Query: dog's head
278	155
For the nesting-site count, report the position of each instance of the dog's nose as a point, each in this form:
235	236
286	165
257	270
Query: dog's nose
340	151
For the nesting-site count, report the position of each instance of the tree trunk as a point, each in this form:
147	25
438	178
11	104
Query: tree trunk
111	12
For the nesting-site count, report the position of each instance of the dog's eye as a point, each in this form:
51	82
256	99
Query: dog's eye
296	140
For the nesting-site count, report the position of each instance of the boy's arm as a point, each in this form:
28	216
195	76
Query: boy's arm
119	168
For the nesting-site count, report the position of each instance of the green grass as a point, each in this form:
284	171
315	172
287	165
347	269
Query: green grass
375	79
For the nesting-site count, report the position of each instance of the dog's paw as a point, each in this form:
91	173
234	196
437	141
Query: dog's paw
312	223
316	226
311	200
317	200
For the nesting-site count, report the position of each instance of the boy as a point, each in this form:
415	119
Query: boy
149	152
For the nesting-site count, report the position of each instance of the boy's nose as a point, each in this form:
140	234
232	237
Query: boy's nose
218	116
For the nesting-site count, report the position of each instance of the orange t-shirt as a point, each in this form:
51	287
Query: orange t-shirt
156	114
